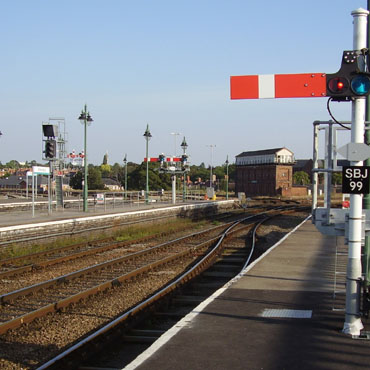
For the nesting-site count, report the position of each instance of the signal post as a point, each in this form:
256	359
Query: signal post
351	83
173	166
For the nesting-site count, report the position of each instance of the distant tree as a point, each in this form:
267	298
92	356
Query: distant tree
105	158
157	181
232	170
219	171
94	179
336	178
117	172
301	178
75	181
105	170
13	164
197	172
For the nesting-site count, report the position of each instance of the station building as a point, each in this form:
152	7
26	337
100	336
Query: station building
266	172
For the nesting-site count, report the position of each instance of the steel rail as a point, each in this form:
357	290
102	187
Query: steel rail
90	249
115	244
199	267
28	317
64	303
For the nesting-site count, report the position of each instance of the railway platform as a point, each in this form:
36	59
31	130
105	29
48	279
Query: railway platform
16	216
277	314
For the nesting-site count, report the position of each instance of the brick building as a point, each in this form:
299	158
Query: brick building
265	172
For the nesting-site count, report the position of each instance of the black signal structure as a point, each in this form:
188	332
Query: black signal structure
184	161
352	80
161	159
50	149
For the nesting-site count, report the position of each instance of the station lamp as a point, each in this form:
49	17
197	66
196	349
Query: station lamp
352	80
147	136
86	120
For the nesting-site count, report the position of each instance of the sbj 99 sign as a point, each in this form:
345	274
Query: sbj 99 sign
356	179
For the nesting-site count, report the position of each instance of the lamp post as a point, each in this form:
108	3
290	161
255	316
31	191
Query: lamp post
85	119
227	177
147	136
211	176
125	163
184	146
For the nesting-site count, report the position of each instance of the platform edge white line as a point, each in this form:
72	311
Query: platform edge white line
185	321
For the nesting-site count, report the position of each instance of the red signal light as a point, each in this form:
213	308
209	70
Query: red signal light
337	85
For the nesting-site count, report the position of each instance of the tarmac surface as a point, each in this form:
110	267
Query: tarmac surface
279	314
16	216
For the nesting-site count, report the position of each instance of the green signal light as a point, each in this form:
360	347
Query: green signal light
360	85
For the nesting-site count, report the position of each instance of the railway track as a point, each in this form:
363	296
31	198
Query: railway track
65	295
50	256
26	304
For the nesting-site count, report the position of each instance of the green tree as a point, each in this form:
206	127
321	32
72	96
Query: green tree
13	164
157	181
94	179
336	178
301	178
105	158
105	170
117	172
75	181
198	172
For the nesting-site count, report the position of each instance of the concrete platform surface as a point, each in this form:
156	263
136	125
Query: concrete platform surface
277	315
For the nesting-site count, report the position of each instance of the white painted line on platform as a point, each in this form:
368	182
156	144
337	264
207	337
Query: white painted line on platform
187	320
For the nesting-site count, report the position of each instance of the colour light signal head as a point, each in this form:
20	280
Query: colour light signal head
338	85
50	149
351	81
360	85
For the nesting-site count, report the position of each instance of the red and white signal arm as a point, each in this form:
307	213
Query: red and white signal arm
303	85
167	159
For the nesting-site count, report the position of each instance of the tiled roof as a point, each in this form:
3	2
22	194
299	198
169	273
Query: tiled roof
260	152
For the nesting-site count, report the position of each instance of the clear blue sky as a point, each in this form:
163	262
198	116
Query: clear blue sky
164	63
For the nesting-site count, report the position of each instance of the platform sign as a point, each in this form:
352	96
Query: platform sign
38	170
100	198
355	179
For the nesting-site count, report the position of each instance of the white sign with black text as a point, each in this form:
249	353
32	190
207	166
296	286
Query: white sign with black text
356	179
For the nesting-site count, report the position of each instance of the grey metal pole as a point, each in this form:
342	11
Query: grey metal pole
315	175
85	190
33	194
173	178
147	174
366	200
147	136
353	324
211	175
125	161
49	188
328	163
85	119
227	177
184	146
